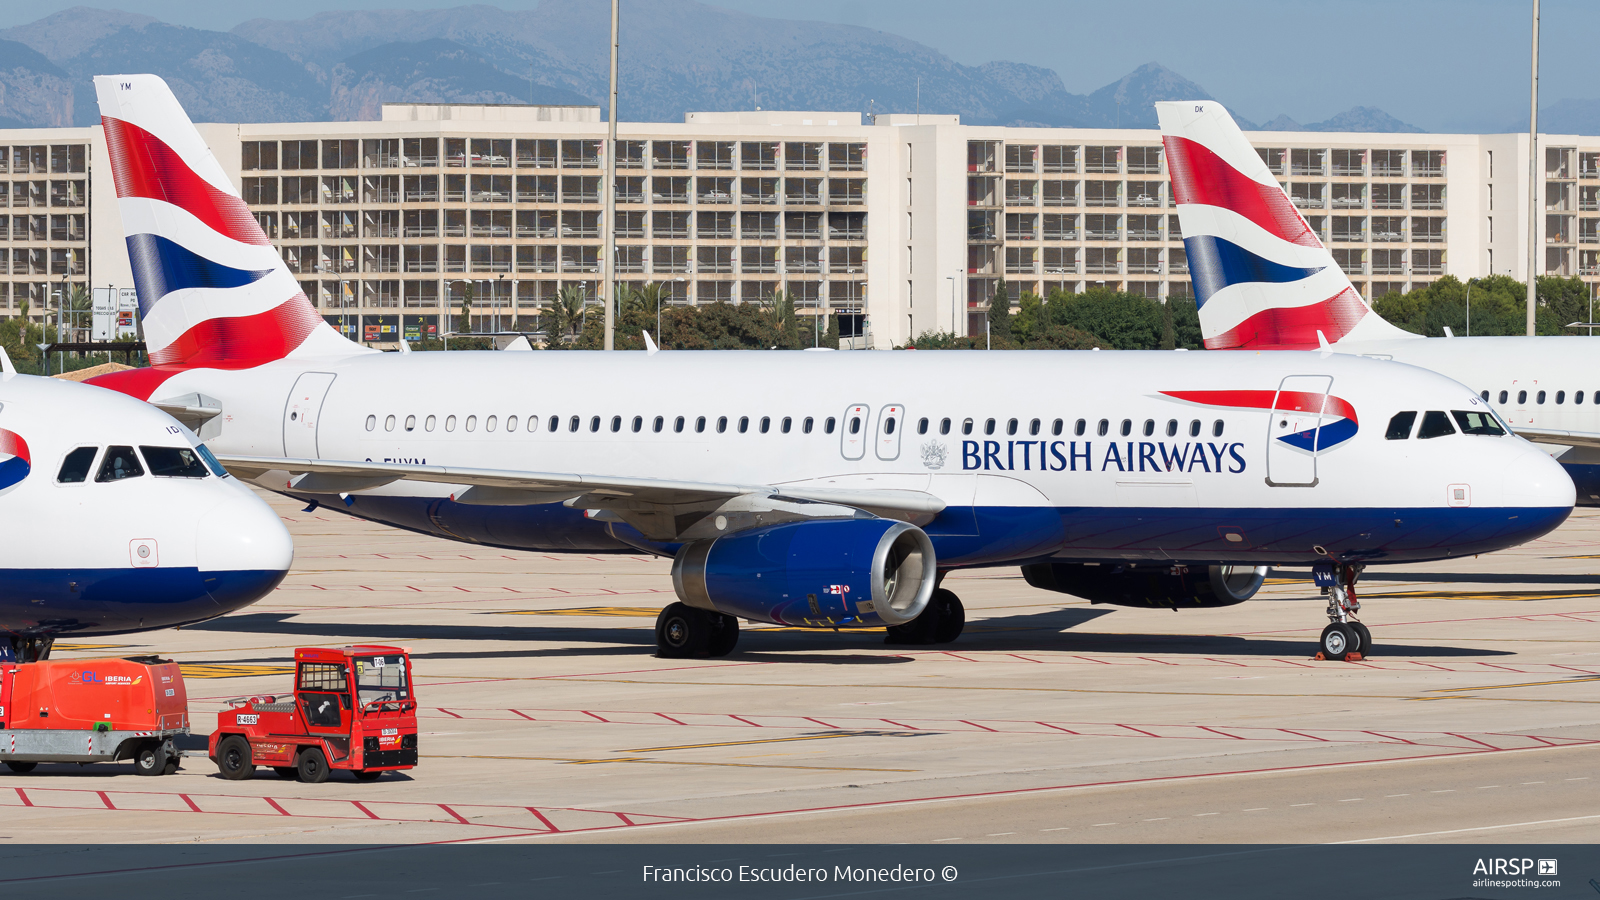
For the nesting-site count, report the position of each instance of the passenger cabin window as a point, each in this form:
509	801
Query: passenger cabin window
1127	427
966	426
1561	397
1474	422
700	425
1578	397
677	425
1540	399
372	422
827	425
428	425
888	425
1503	396
472	423
661	422
788	423
388	423
449	423
1194	428
744	424
616	424
1435	424
594	424
75	468
173	462
1400	426
638	424
120	463
1149	427
511	423
1485	396
1105	427
1011	427
722	424
855	424
1172	428
805	427
944	426
1522	397
1079	427
411	423
988	426
1033	426
1216	428
488	424
1056	426
922	425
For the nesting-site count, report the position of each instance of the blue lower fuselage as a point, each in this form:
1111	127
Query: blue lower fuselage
112	601
989	536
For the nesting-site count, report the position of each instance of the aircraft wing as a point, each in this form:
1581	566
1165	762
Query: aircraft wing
1566	438
661	509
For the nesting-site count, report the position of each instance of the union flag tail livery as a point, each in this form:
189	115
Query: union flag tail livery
1262	279
212	290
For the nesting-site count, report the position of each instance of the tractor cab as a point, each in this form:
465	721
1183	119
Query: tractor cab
353	708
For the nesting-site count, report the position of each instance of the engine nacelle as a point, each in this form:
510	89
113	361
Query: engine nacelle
821	572
1160	587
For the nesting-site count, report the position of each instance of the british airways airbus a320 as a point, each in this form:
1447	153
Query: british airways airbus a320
118	520
823	489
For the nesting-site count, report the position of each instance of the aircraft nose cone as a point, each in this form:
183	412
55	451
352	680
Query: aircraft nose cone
1534	479
242	549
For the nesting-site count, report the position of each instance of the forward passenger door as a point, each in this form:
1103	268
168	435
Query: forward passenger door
1294	430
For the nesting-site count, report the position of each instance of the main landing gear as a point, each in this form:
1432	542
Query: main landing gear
687	632
1344	638
940	623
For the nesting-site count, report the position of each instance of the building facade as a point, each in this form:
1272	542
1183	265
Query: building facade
905	224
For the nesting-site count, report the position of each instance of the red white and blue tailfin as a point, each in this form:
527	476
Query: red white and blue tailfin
1262	279
213	292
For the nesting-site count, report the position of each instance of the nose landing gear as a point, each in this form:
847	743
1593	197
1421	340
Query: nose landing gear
1345	638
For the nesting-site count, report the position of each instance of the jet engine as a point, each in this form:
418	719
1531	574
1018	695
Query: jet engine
819	572
1160	587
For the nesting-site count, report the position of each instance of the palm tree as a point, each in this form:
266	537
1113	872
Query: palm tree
566	313
466	306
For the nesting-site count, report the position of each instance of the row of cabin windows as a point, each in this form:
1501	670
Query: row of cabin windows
1079	428
121	463
595	423
786	425
1436	423
1539	398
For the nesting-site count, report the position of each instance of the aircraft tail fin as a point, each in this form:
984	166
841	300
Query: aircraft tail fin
1262	278
213	293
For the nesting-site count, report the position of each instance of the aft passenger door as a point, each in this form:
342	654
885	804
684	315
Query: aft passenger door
1295	428
302	413
888	436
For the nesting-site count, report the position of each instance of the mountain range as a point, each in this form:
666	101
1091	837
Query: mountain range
678	55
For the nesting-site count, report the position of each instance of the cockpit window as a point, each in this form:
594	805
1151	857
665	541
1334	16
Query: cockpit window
120	463
75	468
1473	422
1435	424
1400	426
174	462
211	461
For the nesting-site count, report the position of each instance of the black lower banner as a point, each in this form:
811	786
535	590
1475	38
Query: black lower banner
591	872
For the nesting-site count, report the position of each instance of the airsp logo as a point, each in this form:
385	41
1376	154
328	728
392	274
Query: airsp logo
933	455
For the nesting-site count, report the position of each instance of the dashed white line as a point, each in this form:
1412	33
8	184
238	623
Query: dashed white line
1158	819
1062	828
1000	834
1486	787
1387	796
942	840
1584	778
1533	782
1352	800
1101	824
1445	791
1198	815
1256	809
1302	804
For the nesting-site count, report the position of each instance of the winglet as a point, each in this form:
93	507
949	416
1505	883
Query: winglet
405	346
1322	341
5	363
650	347
1448	332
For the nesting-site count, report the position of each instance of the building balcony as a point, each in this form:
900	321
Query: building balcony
1142	235
414	266
421	231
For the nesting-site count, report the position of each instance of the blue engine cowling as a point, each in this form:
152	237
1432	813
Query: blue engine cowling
823	572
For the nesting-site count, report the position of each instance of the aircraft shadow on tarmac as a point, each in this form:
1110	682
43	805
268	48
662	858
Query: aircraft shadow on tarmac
1050	630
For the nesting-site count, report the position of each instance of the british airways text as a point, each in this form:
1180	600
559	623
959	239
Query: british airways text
1120	456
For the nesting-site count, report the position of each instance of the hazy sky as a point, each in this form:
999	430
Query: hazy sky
1444	65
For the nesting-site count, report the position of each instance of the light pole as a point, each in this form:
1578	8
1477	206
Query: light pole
952	280
608	231
1533	178
497	286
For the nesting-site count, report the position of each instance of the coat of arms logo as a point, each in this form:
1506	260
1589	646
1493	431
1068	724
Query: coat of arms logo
933	455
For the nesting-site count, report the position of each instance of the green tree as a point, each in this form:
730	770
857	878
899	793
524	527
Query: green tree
1027	320
1124	321
564	316
465	322
1185	323
1000	312
830	338
1499	306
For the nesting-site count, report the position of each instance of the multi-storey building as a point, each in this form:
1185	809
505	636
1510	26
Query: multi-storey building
908	223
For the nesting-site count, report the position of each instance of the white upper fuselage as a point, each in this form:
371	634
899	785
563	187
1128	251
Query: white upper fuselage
437	409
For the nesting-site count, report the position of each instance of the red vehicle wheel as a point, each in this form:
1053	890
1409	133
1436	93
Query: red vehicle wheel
313	765
233	758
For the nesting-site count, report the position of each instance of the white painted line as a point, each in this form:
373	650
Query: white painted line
1062	828
1000	834
1302	804
1198	815
1352	800
1256	809
942	840
1387	796
1423	834
1159	819
1102	824
1533	782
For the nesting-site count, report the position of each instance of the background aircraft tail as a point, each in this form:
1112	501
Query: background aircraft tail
1262	278
213	292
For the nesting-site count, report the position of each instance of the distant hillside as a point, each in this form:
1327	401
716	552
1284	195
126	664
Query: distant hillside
678	55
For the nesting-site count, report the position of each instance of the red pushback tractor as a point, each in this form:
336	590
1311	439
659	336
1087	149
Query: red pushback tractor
352	709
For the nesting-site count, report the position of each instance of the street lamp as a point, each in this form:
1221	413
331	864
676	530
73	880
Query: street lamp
952	280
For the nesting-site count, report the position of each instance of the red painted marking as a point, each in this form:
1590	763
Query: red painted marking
24	796
457	815
1227	662
192	805
587	713
525	715
1145	733
358	805
1304	735
1474	740
670	719
625	819
106	800
818	721
540	816
1393	738
976	725
449	713
1023	658
1223	733
274	804
1156	661
744	720
898	725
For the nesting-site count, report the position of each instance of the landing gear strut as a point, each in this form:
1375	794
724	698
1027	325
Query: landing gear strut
940	623
30	648
1345	637
687	632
